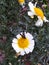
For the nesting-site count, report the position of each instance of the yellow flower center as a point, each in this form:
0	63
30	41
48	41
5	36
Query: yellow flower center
21	1
23	42
39	12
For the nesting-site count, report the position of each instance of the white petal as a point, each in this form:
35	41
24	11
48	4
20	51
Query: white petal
32	42
31	7
15	47
31	46
35	4
39	23
45	20
30	13
22	52
18	36
31	49
14	40
27	50
30	4
29	36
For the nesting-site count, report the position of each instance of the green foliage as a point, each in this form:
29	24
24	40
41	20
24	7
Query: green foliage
12	23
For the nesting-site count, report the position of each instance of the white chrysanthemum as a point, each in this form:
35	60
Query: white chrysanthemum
38	12
23	45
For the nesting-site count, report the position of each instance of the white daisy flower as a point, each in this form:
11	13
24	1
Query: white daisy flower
38	12
24	43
